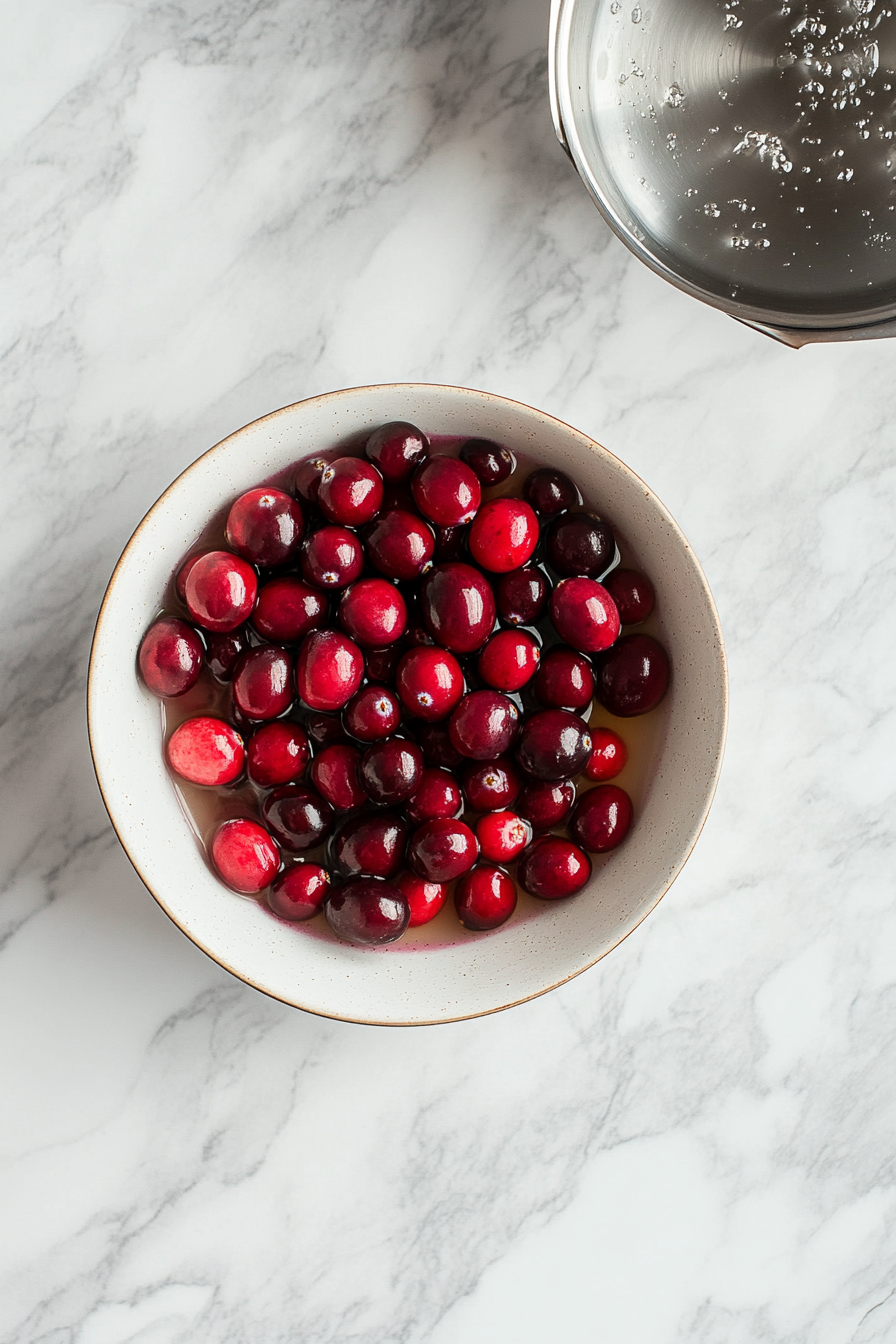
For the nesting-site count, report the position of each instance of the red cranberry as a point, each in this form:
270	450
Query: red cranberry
442	850
372	714
502	836
437	795
633	677
380	664
334	773
277	754
180	581
300	891
351	492
332	557
430	683
329	670
220	590
325	729
287	609
399	545
491	786
265	526
509	660
552	868
503	535
437	747
601	818
245	855
608	754
262	682
451	544
458	607
584	615
491	463
546	803
419	638
223	652
446	491
484	725
369	912
298	816
485	898
633	594
550	491
553	744
580	543
370	843
564	680
306	481
170	657
206	751
425	898
522	595
391	771
373	613
396	449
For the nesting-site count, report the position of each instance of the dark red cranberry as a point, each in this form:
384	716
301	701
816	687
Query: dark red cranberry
277	753
369	912
399	545
262	682
306	481
424	898
552	868
329	670
451	544
287	609
298	816
373	613
351	492
220	591
206	751
564	680
396	449
509	660
223	652
580	544
601	818
633	594
546	803
372	714
265	526
391	771
325	729
380	664
503	535
446	491
491	786
458	607
442	850
300	891
430	683
370	843
608	754
437	747
180	581
170	657
633	677
245	855
484	725
334	773
502	836
553	744
418	637
437	795
485	898
332	558
550	491
396	498
491	463
584	615
522	595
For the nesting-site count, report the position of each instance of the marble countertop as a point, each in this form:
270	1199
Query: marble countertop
216	208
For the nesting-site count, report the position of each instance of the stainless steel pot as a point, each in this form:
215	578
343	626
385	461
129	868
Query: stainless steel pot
745	150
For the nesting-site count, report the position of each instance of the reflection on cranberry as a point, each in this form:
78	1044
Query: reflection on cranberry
170	657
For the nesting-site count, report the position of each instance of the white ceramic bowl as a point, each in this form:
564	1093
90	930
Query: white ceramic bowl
466	975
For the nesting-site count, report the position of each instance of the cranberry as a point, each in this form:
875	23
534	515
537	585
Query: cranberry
451	544
633	677
373	613
351	492
633	594
277	753
502	836
446	491
223	652
324	729
372	714
399	544
329	670
553	744
220	590
245	855
183	573
550	491
580	543
287	609
332	558
442	850
601	818
437	747
262	682
509	660
370	843
491	786
334	773
503	535
425	898
564	680
608	754
430	683
546	803
491	463
306	481
584	615
369	912
522	595
206	751
485	898
437	795
396	449
552	868
391	771
298	816
300	891
170	657
458	607
265	526
380	664
484	725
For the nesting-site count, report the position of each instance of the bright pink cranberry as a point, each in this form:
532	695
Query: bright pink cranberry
484	725
300	891
371	843
608	754
183	573
369	912
564	680
552	868
298	816
396	449
503	535
306	481
245	855
485	898
262	682
438	750
399	544
380	664
287	609
522	595
437	795
170	657
430	683
553	744
265	527
580	544
601	818
509	660
351	492
332	558
329	670
223	652
334	773
491	463
373	613
372	714
277	753
502	836
546	803
458	607
446	491
220	591
491	786
424	898
633	677
550	492
206	751
633	594
584	615
324	729
442	850
391	771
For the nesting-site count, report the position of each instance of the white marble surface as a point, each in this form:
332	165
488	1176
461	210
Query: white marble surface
217	207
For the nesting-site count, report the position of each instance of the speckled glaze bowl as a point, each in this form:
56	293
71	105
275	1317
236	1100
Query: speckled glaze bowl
468	974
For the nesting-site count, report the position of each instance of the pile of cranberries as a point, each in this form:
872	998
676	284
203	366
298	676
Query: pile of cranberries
406	670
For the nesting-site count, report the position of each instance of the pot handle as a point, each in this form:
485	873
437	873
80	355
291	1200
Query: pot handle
797	337
552	74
